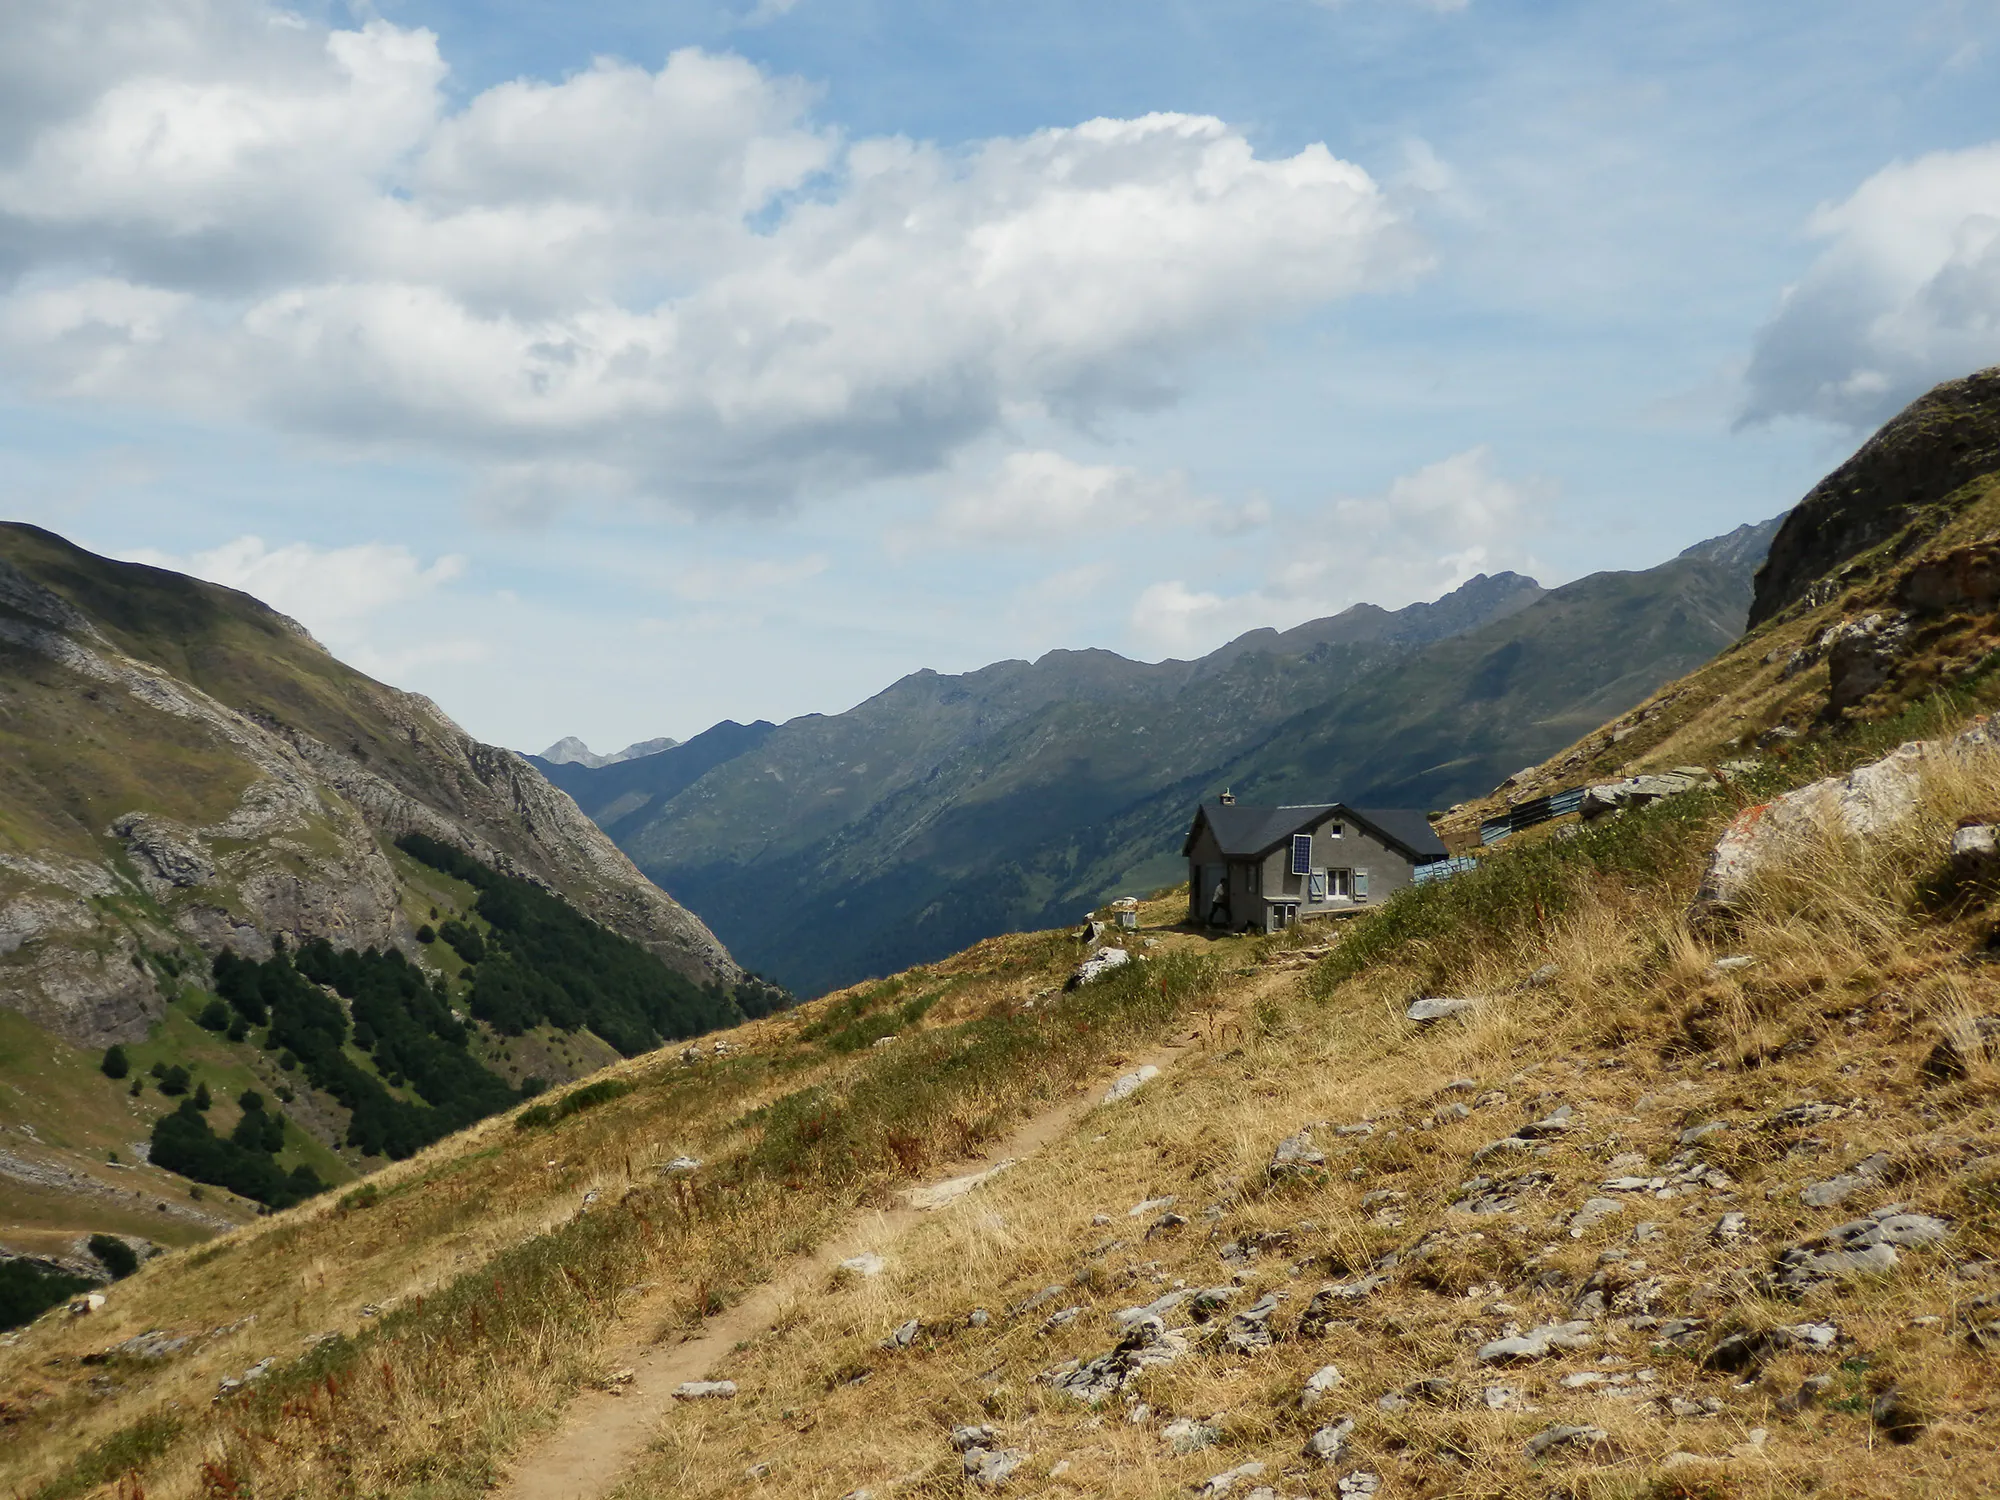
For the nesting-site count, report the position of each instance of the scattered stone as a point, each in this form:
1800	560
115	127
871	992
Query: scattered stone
1732	964
1297	1156
1249	1331
1332	1303
1437	1390
1593	1213
868	1263
679	1164
1537	1343
1503	1398
979	1318
705	1390
1866	801
904	1336
1130	1084
1098	1221
1329	1443
1062	1319
1899	1417
87	1304
1104	961
1148	1205
1731	1229
616	1380
1146	1344
1815	1336
1223	1483
1859	1247
250	1376
1034	1300
1558	1122
939	1194
1835	1191
1645	1230
1360	1483
1544	975
1321	1381
1975	852
1185	1435
157	1344
1593	1441
1695	1134
1439	1008
990	1468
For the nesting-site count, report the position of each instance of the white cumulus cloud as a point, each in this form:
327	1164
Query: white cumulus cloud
1040	498
1423	536
1905	293
334	592
667	282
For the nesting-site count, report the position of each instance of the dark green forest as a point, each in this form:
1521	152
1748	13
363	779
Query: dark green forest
539	962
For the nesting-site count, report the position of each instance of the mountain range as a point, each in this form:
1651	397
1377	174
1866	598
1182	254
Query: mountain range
950	807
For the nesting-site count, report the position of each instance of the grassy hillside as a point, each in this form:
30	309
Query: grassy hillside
478	1289
1920	501
192	789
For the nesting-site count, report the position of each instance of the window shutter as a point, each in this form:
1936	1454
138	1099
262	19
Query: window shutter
1360	883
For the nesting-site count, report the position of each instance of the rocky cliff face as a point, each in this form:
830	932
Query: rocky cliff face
145	812
1931	448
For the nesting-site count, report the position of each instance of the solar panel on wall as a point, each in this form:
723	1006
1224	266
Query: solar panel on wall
1302	853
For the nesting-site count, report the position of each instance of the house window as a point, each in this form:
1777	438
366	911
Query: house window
1339	886
1302	853
1334	830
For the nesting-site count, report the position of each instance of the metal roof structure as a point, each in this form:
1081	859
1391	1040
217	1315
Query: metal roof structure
1250	831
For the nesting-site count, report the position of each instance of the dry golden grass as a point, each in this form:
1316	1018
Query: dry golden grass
473	1286
499	1293
1860	969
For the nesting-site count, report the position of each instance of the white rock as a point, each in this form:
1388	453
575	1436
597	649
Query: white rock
939	1194
868	1263
1130	1084
705	1390
1439	1008
1094	968
1322	1380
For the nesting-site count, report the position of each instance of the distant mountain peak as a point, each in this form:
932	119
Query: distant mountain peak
571	751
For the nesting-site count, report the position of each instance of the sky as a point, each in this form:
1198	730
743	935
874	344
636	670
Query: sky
611	370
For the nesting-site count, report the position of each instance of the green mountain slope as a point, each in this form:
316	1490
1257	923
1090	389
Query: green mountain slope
949	808
188	780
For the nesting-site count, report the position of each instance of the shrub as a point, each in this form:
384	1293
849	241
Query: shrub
214	1016
114	1064
29	1288
574	1102
117	1257
174	1080
202	1099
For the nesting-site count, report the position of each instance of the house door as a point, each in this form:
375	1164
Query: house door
1215	895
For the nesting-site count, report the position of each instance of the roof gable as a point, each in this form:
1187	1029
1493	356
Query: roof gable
1249	831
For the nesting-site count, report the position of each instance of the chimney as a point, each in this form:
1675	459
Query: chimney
1228	798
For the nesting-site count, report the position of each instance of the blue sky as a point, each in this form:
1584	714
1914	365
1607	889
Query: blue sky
611	370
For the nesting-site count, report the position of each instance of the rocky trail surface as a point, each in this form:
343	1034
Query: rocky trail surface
606	1431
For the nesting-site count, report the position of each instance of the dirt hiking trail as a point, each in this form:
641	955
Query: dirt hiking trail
602	1434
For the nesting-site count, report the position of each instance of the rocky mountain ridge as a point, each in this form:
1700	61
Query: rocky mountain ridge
255	807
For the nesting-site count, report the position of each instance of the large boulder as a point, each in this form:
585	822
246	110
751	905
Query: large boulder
1866	802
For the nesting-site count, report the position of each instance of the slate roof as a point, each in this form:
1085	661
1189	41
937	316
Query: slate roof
1246	831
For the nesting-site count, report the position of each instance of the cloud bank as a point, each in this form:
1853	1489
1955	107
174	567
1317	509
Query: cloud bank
1423	536
671	283
1905	293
